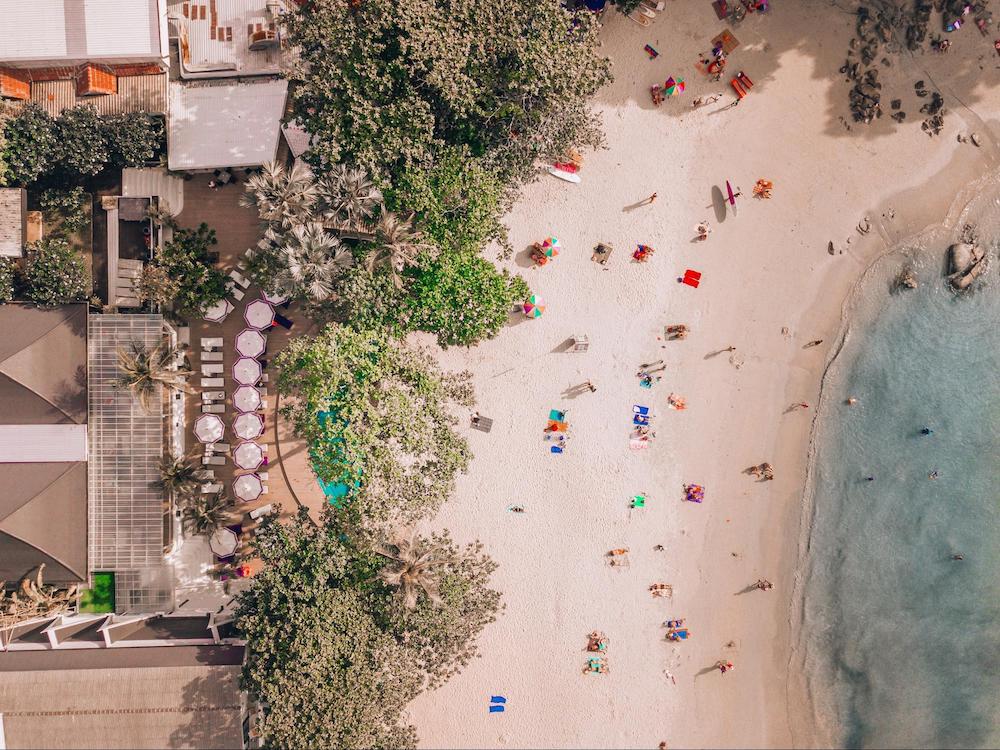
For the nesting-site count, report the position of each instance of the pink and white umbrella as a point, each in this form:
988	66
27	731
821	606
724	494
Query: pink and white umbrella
208	428
246	398
250	343
224	542
247	371
219	311
248	426
259	314
248	487
248	455
275	299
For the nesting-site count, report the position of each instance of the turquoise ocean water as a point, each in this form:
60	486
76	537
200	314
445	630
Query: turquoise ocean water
902	644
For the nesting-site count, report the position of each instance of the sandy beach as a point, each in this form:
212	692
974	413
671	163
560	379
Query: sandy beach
765	271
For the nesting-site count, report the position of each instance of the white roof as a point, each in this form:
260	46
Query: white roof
54	30
234	125
43	443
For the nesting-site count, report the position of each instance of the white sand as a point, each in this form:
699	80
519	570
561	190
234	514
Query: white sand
764	269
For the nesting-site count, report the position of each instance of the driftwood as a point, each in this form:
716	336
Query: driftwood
32	599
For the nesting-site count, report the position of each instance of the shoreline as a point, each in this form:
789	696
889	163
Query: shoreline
765	270
951	216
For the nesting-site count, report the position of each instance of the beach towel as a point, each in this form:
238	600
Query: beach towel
498	699
639	409
556	449
496	709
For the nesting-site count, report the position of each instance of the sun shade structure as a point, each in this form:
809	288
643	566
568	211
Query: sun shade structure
247	371
673	86
259	314
224	542
247	398
551	247
248	487
219	311
248	455
534	306
250	343
248	426
208	428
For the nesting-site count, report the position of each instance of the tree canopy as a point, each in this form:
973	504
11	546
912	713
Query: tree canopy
330	649
376	415
511	81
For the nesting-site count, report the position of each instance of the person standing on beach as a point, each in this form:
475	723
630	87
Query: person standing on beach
650	199
817	342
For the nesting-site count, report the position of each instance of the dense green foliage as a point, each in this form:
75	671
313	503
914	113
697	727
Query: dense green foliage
331	649
55	273
65	206
7	270
185	260
511	81
463	299
389	425
76	145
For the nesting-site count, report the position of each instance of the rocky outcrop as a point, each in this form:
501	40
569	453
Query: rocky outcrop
966	262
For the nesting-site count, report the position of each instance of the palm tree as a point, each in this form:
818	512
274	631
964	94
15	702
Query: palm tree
281	197
414	566
310	262
141	369
205	513
348	194
178	476
398	245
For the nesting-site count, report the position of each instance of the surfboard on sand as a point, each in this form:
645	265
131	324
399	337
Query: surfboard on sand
562	174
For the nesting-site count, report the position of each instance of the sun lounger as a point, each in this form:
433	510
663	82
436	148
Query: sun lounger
209	488
213	395
284	322
640	19
213	408
262	476
738	88
213	383
212	369
238	278
213	460
207	473
483	424
264	489
217	447
263	378
211	356
236	292
262	511
213	342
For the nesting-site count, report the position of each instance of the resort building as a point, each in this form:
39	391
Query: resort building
60	53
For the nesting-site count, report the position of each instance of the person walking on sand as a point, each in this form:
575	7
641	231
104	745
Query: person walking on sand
650	199
816	342
802	405
725	666
730	348
591	387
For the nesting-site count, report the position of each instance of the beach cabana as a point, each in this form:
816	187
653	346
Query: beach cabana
250	343
208	428
247	371
248	426
246	398
248	487
248	455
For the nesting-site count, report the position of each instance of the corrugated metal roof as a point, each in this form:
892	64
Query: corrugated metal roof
44	31
135	94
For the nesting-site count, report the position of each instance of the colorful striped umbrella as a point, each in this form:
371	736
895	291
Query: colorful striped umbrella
551	247
673	86
534	306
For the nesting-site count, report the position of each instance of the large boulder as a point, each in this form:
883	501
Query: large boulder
960	257
967	262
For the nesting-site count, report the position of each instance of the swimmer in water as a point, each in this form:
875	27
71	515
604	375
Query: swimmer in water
927	431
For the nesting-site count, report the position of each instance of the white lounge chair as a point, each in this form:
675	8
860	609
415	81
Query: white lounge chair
262	511
209	396
213	368
217	447
213	382
213	408
209	488
213	342
207	474
262	476
264	489
236	292
211	356
213	461
239	278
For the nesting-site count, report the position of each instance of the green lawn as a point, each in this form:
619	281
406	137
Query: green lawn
100	598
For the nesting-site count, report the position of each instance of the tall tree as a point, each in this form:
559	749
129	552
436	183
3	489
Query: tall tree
398	245
282	198
377	415
142	369
309	262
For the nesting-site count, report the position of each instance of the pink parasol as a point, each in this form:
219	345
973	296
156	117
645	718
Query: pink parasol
208	428
250	343
247	371
248	487
219	311
246	398
248	455
248	426
259	314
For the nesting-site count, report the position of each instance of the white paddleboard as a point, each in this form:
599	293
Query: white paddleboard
564	175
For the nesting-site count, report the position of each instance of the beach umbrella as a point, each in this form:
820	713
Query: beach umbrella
224	542
218	312
250	343
551	247
534	306
275	299
730	195
259	314
673	86
247	371
248	487
248	426
248	455
208	428
246	398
